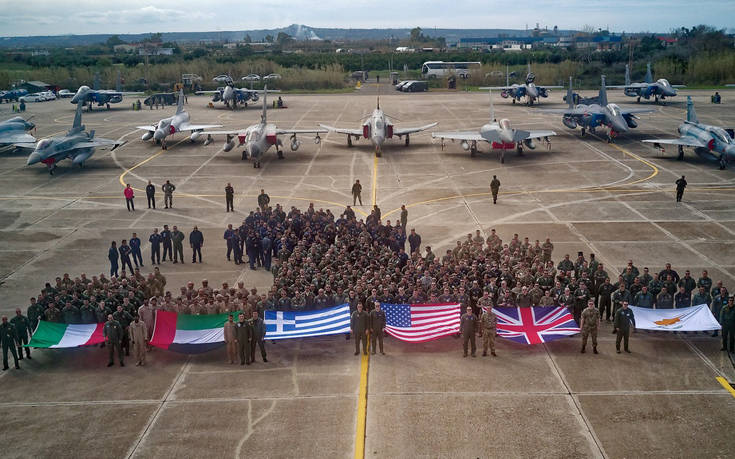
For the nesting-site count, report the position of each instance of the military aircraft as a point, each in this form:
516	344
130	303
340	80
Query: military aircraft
710	142
231	95
102	97
77	145
377	127
258	138
529	90
661	88
499	134
591	116
177	123
12	95
13	134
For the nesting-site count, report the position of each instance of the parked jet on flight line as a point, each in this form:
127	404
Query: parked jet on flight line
13	134
258	138
529	90
231	95
77	145
377	127
661	88
177	123
710	142
499	134
589	117
102	97
12	95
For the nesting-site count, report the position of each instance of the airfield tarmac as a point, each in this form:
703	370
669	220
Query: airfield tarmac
314	398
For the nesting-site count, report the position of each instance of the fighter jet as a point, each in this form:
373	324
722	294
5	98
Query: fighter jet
499	134
102	97
661	88
231	95
591	116
258	138
13	134
710	142
529	90
377	127
77	145
12	95
177	123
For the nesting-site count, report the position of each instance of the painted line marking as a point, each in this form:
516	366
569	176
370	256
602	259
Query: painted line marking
362	407
726	385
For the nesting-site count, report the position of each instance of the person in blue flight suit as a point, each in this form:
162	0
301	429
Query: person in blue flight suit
229	237
155	240
134	243
124	250
113	256
166	241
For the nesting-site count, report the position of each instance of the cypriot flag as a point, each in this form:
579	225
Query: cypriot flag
695	318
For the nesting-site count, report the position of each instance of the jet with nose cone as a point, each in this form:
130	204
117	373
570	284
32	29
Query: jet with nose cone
659	89
529	90
710	142
179	122
377	127
499	134
230	95
101	97
13	134
589	117
77	145
257	139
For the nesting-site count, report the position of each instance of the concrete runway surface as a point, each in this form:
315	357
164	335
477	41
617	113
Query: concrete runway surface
313	397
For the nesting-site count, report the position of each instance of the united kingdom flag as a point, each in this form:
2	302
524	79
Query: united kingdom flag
535	325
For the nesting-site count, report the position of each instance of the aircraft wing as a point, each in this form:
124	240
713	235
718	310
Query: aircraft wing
459	135
301	131
258	91
405	131
20	139
199	93
560	111
151	128
197	127
550	87
520	134
98	143
686	141
241	131
342	131
501	88
630	111
679	86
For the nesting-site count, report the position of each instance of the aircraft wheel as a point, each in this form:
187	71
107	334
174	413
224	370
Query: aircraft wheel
408	140
378	153
583	132
280	154
681	153
502	157
349	142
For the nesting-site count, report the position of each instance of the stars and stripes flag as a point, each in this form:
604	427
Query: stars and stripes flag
535	325
417	323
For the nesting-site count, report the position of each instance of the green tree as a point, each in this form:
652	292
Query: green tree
269	38
113	41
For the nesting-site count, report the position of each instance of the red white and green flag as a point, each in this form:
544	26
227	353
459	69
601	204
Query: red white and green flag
56	335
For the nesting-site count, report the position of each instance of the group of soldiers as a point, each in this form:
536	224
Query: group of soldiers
172	241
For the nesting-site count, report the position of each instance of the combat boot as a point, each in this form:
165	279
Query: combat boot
582	351
594	349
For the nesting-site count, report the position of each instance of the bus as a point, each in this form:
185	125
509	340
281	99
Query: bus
441	69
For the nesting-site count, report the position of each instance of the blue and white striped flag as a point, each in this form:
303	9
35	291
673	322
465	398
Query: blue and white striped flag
299	324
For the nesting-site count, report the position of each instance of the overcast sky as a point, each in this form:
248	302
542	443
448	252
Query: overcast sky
59	17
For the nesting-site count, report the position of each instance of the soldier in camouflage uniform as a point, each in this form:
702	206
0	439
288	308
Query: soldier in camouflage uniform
488	324
590	325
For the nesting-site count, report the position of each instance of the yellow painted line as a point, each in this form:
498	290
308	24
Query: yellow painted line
362	406
654	169
722	381
122	176
375	180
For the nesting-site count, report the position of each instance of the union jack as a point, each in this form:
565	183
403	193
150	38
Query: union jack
535	325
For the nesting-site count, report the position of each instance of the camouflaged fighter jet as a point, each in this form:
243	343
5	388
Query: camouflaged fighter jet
77	145
710	142
527	90
659	89
13	134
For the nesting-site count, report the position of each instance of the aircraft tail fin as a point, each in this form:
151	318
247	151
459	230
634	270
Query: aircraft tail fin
264	115
77	126
603	92
691	114
180	107
627	75
649	77
570	94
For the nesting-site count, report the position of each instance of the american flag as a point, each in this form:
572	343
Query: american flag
417	323
535	325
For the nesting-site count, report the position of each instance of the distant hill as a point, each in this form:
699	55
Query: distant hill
300	32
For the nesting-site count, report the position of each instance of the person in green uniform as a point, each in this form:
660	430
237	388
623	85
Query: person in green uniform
23	331
8	339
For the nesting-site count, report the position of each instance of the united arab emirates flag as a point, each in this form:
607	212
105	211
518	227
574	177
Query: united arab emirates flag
56	335
189	334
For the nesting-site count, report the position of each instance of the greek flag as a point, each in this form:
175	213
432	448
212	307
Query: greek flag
300	324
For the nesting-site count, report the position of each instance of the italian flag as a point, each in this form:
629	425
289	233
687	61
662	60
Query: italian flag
56	335
189	334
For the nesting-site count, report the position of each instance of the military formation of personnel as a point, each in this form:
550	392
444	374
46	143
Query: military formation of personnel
244	336
171	240
321	261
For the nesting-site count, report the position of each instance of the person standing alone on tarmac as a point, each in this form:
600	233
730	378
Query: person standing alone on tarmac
168	194
196	240
263	200
494	188
229	197
356	192
150	193
129	196
680	185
